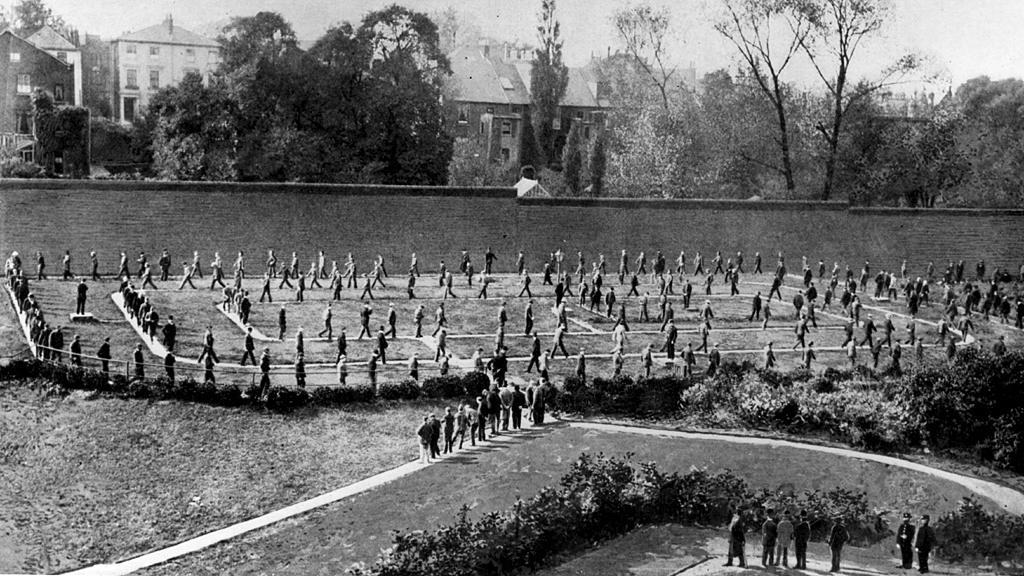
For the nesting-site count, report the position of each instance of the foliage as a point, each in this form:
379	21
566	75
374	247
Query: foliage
599	498
598	163
548	80
31	15
196	131
972	533
529	150
975	405
18	168
336	396
470	168
572	160
645	30
283	399
61	131
401	390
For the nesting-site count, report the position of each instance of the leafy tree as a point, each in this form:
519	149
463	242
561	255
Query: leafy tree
455	29
31	15
645	29
548	80
407	138
838	29
471	168
598	164
195	131
752	26
992	138
572	160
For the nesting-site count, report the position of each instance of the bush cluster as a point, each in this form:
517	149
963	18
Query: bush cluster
974	406
970	533
600	498
280	398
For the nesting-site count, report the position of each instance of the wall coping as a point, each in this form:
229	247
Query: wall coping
254	187
687	203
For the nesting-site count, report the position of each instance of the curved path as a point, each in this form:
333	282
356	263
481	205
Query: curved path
1010	500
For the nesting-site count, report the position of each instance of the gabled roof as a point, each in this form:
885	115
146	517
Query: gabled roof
168	34
491	80
49	39
34	47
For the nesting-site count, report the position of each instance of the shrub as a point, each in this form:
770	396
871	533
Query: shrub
972	533
405	390
598	498
18	168
444	387
475	383
335	396
284	399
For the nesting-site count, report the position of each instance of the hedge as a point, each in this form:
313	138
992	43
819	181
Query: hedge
280	398
601	498
973	407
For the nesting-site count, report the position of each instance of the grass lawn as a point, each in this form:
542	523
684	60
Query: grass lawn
87	481
328	540
57	300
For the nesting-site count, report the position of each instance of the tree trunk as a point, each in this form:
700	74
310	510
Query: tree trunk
787	164
833	138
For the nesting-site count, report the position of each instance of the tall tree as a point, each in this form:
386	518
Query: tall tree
529	155
598	164
407	71
572	160
837	29
548	80
752	26
455	29
645	29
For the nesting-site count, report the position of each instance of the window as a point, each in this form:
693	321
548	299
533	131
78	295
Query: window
23	121
556	122
128	110
24	84
463	114
516	109
15	56
131	48
481	127
58	92
579	114
154	51
505	154
63	57
506	127
133	79
586	132
214	53
190	54
154	79
490	109
506	84
28	154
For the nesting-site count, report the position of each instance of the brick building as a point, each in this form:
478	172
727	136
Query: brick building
153	58
491	92
24	68
65	50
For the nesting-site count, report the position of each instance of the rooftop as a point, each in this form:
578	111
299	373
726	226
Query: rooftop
167	33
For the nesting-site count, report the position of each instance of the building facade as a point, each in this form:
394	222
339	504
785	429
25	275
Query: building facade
25	68
63	49
154	58
97	76
490	84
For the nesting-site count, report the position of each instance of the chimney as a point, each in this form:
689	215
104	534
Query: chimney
169	21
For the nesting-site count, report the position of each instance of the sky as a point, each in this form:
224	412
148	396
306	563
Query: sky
961	38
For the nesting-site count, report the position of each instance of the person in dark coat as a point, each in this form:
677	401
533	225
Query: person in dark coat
837	538
769	533
435	436
905	542
737	540
801	535
924	543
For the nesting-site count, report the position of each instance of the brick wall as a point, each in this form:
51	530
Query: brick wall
438	223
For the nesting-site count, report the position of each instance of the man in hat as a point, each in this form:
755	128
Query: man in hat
905	541
737	539
769	536
801	535
924	543
837	537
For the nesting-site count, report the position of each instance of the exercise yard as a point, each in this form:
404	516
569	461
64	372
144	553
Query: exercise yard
472	325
